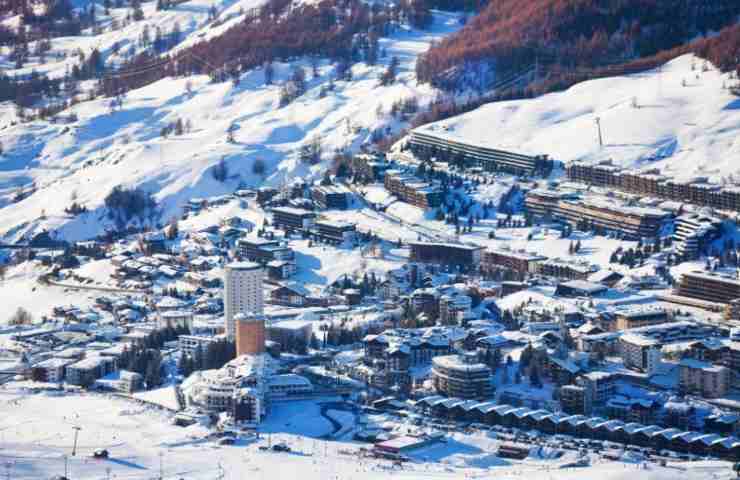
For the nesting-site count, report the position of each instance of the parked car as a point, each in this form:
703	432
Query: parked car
100	453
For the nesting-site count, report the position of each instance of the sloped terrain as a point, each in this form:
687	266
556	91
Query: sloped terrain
568	39
678	118
109	144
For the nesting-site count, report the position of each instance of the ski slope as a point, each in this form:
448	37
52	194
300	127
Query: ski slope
143	444
647	120
109	146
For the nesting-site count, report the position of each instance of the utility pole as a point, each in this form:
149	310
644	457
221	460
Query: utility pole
161	465
7	470
74	446
598	127
66	467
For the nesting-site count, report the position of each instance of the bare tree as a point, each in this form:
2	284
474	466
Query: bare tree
21	317
259	168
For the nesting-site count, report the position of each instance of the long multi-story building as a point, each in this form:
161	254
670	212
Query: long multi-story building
426	143
598	214
517	260
242	292
462	376
640	316
446	253
566	269
709	286
334	231
698	191
289	218
410	189
263	250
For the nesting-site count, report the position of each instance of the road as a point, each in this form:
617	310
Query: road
93	288
421	230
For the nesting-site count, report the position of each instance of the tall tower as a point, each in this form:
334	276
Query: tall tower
250	334
242	292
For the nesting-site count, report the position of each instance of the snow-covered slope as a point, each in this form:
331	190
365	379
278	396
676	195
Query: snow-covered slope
678	119
117	37
123	146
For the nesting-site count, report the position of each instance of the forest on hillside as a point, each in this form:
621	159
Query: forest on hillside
509	36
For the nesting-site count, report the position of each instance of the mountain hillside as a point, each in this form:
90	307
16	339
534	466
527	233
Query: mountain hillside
563	38
172	138
678	119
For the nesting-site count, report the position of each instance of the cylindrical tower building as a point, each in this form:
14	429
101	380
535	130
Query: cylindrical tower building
250	334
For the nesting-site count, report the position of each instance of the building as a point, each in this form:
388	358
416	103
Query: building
248	405
596	213
452	308
250	334
335	232
410	189
191	345
566	269
718	351
704	379
84	372
516	260
281	269
598	387
242	292
580	288
265	194
709	286
123	382
389	356
573	400
51	370
290	294
643	316
466	256
640	348
370	167
697	191
430	141
262	250
462	376
289	218
177	319
693	233
336	197
640	353
732	310
289	333
288	385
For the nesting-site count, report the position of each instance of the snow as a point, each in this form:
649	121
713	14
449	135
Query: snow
320	265
34	440
20	288
106	148
165	396
684	131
